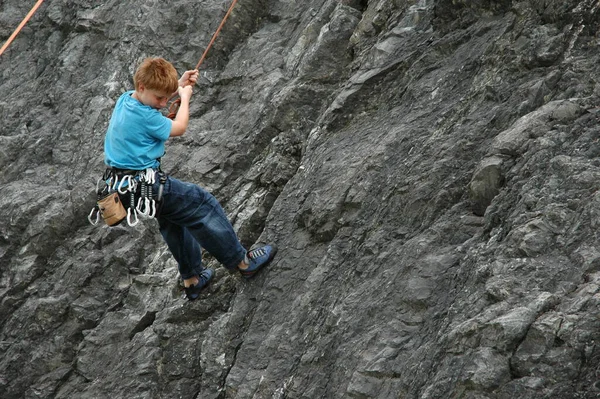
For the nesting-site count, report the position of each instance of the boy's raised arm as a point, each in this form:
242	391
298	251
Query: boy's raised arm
180	122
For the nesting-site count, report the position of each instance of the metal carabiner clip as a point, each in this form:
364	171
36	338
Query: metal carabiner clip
149	177
98	185
151	204
140	207
129	217
91	215
126	179
115	185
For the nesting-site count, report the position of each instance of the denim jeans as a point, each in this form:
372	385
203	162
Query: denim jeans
191	218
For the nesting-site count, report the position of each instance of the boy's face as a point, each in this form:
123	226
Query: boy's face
152	98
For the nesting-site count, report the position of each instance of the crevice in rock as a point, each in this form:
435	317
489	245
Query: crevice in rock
222	388
362	5
243	329
146	321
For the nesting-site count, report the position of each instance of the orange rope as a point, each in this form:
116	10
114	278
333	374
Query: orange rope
23	22
175	105
216	34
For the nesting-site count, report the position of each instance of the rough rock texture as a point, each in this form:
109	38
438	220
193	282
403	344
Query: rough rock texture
428	168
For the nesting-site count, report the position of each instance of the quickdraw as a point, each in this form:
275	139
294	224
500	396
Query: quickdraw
128	184
146	206
94	216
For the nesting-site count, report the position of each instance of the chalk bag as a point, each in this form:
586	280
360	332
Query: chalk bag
112	210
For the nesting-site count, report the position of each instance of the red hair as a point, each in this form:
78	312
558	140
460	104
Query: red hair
156	74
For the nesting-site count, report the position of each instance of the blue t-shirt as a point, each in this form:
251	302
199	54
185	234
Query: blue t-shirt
136	135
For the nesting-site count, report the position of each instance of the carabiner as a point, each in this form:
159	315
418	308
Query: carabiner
115	186
151	208
140	206
129	213
98	185
126	179
92	222
149	176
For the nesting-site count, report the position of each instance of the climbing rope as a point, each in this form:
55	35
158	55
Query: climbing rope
175	105
21	25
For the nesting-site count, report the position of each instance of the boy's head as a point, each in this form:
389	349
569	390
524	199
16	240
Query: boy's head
156	75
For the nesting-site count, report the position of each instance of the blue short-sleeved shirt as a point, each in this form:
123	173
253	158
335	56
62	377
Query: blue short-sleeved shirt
136	135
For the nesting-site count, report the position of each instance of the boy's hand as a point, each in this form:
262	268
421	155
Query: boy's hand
188	78
185	93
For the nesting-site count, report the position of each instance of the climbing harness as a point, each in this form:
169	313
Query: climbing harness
175	104
132	185
21	25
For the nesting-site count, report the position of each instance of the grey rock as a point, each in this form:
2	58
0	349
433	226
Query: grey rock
486	183
428	169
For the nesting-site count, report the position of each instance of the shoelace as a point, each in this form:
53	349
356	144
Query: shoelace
203	278
255	253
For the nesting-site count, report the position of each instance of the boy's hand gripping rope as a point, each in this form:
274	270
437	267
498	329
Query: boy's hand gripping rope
175	104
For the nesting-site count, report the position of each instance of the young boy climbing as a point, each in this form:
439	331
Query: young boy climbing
189	217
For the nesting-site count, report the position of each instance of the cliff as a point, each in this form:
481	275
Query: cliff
428	168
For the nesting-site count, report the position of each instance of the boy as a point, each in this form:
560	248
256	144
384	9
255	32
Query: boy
190	218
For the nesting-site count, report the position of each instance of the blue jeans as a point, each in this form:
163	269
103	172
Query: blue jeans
191	218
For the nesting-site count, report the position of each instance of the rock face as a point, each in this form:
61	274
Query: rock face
427	168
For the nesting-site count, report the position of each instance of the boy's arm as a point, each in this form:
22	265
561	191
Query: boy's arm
180	122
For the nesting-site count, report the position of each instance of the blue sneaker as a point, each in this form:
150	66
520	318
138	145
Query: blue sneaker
193	291
258	258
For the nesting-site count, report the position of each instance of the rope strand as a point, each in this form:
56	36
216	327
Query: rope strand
175	104
21	25
212	40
